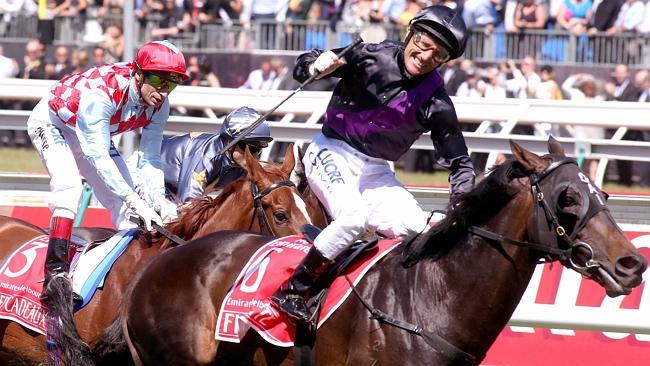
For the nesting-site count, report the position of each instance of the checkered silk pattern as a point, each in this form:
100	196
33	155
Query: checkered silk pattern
114	80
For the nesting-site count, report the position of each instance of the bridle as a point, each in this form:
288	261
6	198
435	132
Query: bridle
546	227
258	210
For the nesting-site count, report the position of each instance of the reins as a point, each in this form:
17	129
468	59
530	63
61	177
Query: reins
453	353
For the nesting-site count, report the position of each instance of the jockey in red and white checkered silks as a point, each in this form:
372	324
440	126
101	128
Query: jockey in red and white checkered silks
72	126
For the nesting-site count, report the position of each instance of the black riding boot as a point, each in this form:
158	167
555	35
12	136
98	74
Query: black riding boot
56	264
292	296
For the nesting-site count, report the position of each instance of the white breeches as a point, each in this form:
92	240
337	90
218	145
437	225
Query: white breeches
360	193
61	154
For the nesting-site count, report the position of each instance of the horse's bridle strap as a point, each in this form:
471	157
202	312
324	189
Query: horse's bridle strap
257	203
486	234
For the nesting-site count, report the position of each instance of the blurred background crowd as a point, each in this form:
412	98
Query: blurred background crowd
544	49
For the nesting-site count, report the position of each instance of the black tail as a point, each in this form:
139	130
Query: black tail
62	331
111	348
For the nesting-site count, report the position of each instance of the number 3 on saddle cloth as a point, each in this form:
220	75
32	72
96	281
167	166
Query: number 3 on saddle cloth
247	304
21	276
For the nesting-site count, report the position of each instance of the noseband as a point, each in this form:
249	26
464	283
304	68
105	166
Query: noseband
265	226
546	226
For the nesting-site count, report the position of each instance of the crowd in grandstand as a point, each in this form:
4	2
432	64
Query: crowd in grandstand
99	23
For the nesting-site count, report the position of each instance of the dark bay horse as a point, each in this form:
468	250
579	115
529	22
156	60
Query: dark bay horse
281	211
460	281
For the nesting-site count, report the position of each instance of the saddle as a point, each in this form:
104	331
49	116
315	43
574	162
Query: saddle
366	243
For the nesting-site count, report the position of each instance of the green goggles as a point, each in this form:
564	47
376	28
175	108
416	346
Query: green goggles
160	83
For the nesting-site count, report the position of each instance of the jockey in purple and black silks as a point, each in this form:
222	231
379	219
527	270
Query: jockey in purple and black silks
389	94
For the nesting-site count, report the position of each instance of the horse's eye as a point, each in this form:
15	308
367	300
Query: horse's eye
280	217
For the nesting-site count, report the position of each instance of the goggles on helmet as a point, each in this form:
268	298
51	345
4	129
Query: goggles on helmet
425	42
158	82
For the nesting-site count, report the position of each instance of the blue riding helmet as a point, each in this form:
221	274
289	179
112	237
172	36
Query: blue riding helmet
240	119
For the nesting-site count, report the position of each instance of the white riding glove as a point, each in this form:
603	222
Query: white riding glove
140	208
167	209
326	63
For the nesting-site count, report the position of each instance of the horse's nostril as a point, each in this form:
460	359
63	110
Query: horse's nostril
631	265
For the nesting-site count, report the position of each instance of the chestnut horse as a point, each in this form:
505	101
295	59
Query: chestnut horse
281	211
459	282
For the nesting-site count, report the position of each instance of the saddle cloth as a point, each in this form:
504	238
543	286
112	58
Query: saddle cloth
21	277
247	304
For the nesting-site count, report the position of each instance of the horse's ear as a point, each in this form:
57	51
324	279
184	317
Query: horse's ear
240	159
289	161
555	147
253	166
530	161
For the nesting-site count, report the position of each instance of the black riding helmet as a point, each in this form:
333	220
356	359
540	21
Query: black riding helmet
444	24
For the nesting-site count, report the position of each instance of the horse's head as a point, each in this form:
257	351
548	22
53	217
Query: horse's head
571	215
279	209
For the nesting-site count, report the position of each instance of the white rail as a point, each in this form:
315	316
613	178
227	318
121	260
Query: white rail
300	114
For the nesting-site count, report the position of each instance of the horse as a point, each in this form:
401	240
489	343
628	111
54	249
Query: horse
264	201
459	282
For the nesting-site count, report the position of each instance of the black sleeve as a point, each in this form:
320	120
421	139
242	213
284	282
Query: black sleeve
449	143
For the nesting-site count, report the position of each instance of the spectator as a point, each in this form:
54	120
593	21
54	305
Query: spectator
230	10
171	21
61	66
629	18
455	73
621	88
492	87
99	56
583	87
412	8
480	13
262	78
281	72
80	60
112	8
521	83
8	66
642	81
605	15
34	60
390	12
529	15
200	70
266	11
471	87
113	43
547	88
315	36
642	84
574	15
644	27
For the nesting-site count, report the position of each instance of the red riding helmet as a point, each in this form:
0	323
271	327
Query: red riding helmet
162	56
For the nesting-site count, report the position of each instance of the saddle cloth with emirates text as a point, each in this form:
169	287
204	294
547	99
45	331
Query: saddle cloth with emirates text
248	305
21	277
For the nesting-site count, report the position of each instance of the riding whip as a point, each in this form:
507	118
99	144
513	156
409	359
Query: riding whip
257	122
166	233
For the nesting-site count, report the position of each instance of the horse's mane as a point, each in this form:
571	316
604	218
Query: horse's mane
194	215
472	208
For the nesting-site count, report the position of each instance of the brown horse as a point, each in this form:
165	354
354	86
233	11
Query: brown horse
280	211
460	282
